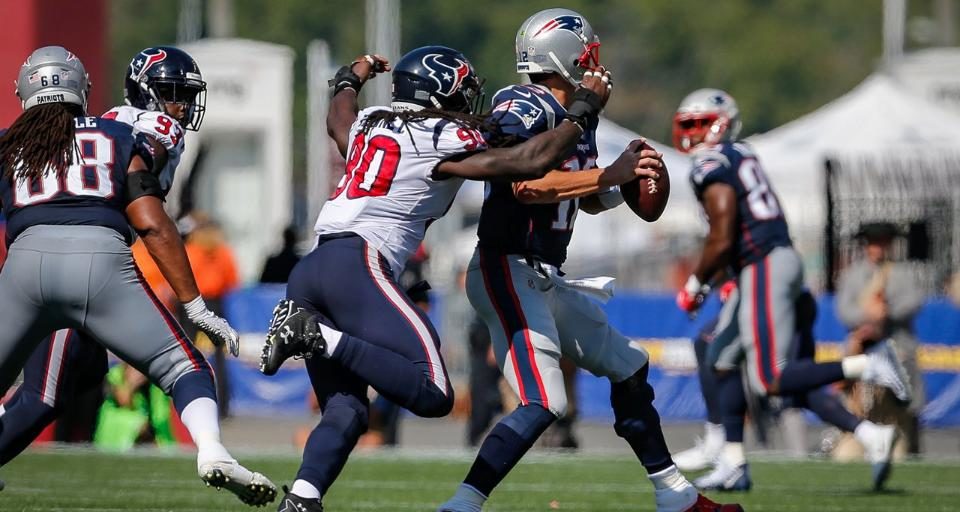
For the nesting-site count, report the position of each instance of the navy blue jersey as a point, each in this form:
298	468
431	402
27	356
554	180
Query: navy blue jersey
538	230
760	221
93	191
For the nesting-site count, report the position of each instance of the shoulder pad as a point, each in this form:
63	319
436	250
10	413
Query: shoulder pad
706	163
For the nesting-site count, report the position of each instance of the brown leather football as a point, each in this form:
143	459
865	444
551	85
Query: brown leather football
647	197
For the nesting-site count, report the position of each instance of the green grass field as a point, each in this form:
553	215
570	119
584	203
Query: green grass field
91	481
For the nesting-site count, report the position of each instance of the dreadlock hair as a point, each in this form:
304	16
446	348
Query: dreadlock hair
483	123
42	138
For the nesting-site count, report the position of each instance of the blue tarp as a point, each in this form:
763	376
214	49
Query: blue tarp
651	318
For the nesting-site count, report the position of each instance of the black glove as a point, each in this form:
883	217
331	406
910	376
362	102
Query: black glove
585	109
345	79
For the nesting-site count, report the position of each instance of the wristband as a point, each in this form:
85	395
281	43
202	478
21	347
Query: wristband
345	79
611	198
585	108
195	308
694	286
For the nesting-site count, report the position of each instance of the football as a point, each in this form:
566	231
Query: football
647	197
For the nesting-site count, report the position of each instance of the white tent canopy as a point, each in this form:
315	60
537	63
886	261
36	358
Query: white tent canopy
879	117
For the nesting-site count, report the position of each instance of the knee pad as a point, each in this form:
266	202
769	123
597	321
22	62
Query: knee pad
528	420
347	415
632	402
432	402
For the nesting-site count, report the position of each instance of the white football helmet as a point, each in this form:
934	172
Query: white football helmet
705	117
557	41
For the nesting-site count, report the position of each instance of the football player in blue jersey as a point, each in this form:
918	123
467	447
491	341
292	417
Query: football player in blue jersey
164	94
75	189
535	315
749	239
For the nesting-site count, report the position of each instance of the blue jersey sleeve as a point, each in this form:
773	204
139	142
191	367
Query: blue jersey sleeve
519	113
708	168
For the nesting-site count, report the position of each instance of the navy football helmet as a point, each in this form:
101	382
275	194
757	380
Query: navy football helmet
164	74
436	77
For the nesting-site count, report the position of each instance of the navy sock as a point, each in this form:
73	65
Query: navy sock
829	408
400	380
344	420
25	417
733	405
506	444
637	421
804	375
191	386
708	381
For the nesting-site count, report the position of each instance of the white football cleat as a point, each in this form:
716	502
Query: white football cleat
878	442
252	488
884	369
726	477
704	453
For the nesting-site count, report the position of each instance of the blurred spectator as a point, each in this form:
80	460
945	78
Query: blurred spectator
215	271
134	411
278	266
876	300
953	288
486	402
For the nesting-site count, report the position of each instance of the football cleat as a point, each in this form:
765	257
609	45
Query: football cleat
293	503
884	369
726	477
294	332
252	488
704	453
705	505
878	442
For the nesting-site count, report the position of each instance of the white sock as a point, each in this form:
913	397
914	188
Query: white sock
305	489
670	478
200	418
733	454
864	431
714	435
467	497
2	410
853	366
332	337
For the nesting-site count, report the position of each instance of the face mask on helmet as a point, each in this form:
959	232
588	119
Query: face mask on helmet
690	130
185	102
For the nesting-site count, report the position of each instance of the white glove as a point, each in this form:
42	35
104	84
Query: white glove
162	127
216	328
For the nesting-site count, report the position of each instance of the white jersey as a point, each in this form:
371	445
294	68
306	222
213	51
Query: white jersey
163	128
388	194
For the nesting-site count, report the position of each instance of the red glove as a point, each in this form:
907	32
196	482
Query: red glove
692	295
727	290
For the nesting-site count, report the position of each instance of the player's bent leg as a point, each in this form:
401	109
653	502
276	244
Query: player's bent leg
397	352
124	304
500	451
63	365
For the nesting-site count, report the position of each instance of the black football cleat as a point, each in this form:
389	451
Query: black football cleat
293	503
294	332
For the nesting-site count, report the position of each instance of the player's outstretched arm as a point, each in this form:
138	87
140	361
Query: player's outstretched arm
147	217
543	152
346	86
639	159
